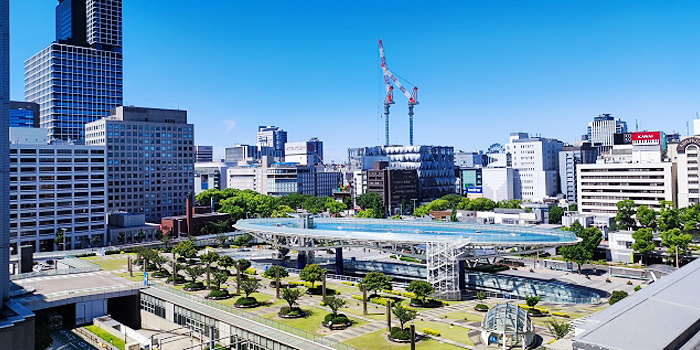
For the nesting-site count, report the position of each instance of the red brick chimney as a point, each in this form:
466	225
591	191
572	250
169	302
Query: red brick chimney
188	209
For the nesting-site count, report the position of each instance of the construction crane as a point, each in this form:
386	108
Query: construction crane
389	78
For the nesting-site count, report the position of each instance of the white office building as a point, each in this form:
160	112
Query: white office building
500	184
272	136
280	179
688	155
308	153
57	186
537	162
209	176
602	129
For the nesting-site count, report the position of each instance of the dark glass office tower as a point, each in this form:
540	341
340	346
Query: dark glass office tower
78	78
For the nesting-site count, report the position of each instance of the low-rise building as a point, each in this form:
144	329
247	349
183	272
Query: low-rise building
398	187
209	175
126	228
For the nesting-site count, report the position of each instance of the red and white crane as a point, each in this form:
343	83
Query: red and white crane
389	78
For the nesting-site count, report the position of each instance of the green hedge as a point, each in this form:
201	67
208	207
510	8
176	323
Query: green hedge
399	333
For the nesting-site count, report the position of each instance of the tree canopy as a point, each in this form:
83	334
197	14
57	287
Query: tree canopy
625	215
376	281
582	252
555	214
312	273
643	241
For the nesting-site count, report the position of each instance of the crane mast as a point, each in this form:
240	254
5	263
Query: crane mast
389	78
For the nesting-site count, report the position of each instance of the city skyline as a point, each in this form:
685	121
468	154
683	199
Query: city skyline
314	70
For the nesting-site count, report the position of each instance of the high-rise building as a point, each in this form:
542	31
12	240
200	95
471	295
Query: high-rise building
56	187
150	159
209	176
435	166
78	78
4	152
569	158
248	154
602	129
470	159
537	162
305	153
24	115
204	154
272	136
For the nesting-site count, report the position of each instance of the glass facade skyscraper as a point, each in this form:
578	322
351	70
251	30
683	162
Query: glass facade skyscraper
24	115
4	151
78	78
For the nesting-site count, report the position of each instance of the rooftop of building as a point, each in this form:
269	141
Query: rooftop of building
663	315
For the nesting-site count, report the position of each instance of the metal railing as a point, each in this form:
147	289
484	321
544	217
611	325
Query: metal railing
35	300
277	325
72	263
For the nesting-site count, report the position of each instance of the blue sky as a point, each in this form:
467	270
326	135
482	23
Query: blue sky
484	69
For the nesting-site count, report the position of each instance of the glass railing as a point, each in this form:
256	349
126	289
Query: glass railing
274	324
74	266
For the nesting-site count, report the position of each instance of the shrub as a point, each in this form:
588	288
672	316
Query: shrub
353	284
357	297
431	332
341	319
637	288
608	280
250	271
112	252
409	259
616	296
409	295
294	311
399	333
194	285
218	293
180	279
482	306
629	283
246	301
560	314
271	272
558	329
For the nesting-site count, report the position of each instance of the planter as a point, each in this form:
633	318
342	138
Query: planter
481	309
334	327
245	306
194	289
301	315
400	341
427	305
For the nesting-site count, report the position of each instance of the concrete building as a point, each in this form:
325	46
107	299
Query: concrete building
246	154
78	78
686	156
363	158
209	175
602	185
537	162
126	228
272	136
569	158
470	182
150	159
309	153
203	154
280	179
602	129
57	186
501	184
470	159
398	187
5	170
24	114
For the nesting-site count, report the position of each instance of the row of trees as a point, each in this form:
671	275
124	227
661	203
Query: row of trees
676	226
247	203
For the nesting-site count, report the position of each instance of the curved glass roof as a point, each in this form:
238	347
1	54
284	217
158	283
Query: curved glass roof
506	319
408	231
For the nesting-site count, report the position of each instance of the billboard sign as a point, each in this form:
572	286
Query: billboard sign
646	138
475	189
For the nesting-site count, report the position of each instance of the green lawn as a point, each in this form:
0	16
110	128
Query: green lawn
311	323
138	277
377	341
375	314
260	297
463	315
456	333
109	264
118	342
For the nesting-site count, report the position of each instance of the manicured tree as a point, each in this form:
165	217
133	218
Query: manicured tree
643	241
208	259
404	314
244	264
557	328
250	286
186	249
140	236
625	215
676	241
647	217
421	289
271	272
159	260
166	238
220	277
226	261
194	272
291	295
312	273
376	281
334	304
532	301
